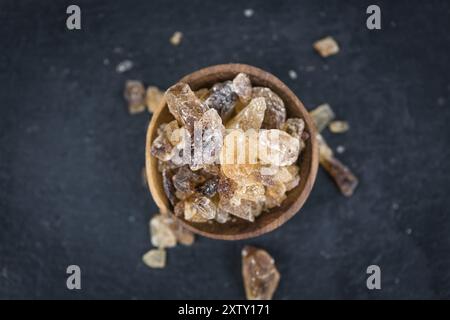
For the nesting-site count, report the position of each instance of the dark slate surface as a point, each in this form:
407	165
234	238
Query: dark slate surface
70	155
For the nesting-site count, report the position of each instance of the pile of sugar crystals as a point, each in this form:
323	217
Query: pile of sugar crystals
207	176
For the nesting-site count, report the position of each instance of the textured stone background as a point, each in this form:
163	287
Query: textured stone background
70	155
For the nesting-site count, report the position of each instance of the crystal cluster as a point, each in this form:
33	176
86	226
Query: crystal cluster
230	152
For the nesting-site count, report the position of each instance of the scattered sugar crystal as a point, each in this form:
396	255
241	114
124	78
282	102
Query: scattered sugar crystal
124	66
341	174
338	126
322	116
153	98
259	274
292	74
134	94
161	234
155	258
183	236
175	40
326	47
249	13
340	149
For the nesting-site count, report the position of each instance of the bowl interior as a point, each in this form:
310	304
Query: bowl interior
308	160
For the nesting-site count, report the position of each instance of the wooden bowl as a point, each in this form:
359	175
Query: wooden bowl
308	161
